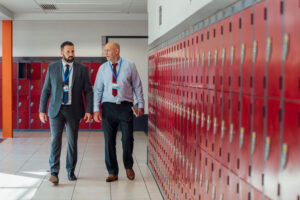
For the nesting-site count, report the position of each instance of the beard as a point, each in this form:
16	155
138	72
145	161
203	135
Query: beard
69	59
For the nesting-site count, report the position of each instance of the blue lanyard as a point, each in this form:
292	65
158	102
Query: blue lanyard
116	76
66	78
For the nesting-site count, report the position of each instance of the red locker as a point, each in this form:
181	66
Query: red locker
257	143
23	87
35	122
195	59
234	133
245	138
213	58
35	87
205	119
274	48
45	67
94	69
217	125
188	60
259	49
35	71
23	121
34	103
219	55
236	47
228	50
291	41
225	130
246	51
210	122
290	160
206	54
272	150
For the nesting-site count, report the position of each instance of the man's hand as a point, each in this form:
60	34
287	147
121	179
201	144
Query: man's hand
43	117
140	112
88	117
97	117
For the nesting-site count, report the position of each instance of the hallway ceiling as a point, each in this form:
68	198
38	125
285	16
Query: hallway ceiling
73	9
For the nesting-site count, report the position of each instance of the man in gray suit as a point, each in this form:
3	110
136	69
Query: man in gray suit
66	81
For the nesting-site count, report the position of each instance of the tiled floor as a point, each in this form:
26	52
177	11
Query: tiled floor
24	170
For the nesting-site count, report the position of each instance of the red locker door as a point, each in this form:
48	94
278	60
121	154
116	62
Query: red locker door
94	69
234	133
246	51
290	160
200	59
236	47
274	48
257	143
272	150
188	60
292	39
182	72
210	122
23	112
195	55
205	119
35	122
213	57
23	87
218	53
217	126
245	138
207	56
227	53
259	49
225	130
35	70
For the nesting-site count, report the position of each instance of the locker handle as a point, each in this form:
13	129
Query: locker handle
197	118
203	59
196	173
31	104
267	148
284	154
213	195
20	120
202	120
201	179
192	116
31	121
208	123
241	137
285	48
232	55
215	125
254	51
20	87
31	87
216	57
206	186
268	49
32	70
242	53
223	56
253	142
20	104
221	196
92	71
231	133
44	70
222	129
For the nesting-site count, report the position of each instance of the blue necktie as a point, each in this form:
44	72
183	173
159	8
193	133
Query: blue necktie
66	82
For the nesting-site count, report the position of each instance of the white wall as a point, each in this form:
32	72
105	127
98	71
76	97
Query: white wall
43	38
179	13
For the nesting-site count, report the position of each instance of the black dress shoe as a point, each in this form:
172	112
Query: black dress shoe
54	178
71	176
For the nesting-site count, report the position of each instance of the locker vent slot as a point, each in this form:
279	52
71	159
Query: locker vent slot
207	35
192	41
266	80
222	30
250	169
184	44
214	80
281	7
262	179
252	19
220	152
202	37
240	23
238	188
197	39
220	173
265	14
278	190
238	163
188	43
206	161
249	195
251	81
214	33
228	180
228	157
230	27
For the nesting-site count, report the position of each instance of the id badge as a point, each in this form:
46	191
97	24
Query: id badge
115	86
66	88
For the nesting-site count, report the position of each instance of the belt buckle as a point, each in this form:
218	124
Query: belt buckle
118	102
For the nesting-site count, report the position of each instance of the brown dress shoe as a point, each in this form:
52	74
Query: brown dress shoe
54	179
130	174
111	178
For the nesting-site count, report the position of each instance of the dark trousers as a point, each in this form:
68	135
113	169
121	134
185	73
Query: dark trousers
114	115
57	124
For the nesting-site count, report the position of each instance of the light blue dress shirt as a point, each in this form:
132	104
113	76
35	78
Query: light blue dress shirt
128	80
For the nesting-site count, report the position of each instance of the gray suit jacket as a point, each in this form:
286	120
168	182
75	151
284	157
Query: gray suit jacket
54	86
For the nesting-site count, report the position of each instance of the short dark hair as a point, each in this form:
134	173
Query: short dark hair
66	43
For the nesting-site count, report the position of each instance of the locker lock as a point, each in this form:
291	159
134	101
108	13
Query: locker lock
202	120
253	142
222	128
215	125
31	121
267	148
208	123
241	137
20	87
92	71
20	104
231	133
284	153
31	87
31	104
31	70
44	70
20	120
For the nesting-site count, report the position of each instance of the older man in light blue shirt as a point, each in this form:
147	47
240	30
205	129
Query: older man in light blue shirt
116	81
